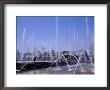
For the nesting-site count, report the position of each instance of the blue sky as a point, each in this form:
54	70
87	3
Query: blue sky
38	31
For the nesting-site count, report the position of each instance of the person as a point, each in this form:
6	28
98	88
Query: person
34	58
